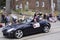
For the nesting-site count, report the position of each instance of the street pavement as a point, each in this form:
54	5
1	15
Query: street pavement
54	34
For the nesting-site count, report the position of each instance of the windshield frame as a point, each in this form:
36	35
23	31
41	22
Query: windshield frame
27	20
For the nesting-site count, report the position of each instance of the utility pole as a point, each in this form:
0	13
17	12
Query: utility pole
52	6
8	7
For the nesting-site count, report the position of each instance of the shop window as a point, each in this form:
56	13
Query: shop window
43	4
37	3
27	5
54	5
20	6
17	6
16	0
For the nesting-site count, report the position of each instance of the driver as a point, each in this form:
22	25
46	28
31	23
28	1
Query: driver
36	17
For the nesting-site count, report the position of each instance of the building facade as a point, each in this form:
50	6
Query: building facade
33	4
58	5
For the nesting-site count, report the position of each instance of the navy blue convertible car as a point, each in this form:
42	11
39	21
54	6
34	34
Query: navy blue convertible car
26	28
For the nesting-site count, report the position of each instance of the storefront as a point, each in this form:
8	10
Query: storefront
32	4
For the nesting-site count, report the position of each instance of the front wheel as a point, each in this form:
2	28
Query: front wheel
19	34
46	29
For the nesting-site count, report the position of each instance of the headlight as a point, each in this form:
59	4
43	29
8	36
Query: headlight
10	29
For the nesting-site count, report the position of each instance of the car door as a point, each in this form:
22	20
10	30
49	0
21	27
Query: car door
30	29
37	29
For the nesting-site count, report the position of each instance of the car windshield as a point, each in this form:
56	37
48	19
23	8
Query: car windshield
27	20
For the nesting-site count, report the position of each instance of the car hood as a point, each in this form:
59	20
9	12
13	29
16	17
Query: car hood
16	26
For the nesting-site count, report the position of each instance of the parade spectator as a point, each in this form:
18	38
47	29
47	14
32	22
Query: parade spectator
45	16
50	15
3	18
8	18
17	21
35	13
40	15
36	17
23	17
52	18
14	18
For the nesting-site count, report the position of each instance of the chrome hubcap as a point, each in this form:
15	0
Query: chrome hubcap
46	29
19	34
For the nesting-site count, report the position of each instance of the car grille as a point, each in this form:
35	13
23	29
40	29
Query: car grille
4	31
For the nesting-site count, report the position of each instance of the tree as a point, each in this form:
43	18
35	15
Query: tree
2	2
8	7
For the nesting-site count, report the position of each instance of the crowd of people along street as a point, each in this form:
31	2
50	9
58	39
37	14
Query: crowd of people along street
46	16
7	19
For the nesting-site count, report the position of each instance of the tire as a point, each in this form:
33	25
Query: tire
19	34
46	29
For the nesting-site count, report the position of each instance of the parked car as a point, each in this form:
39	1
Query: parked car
25	28
2	25
58	17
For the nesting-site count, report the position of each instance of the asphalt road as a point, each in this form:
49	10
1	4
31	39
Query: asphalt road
54	34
